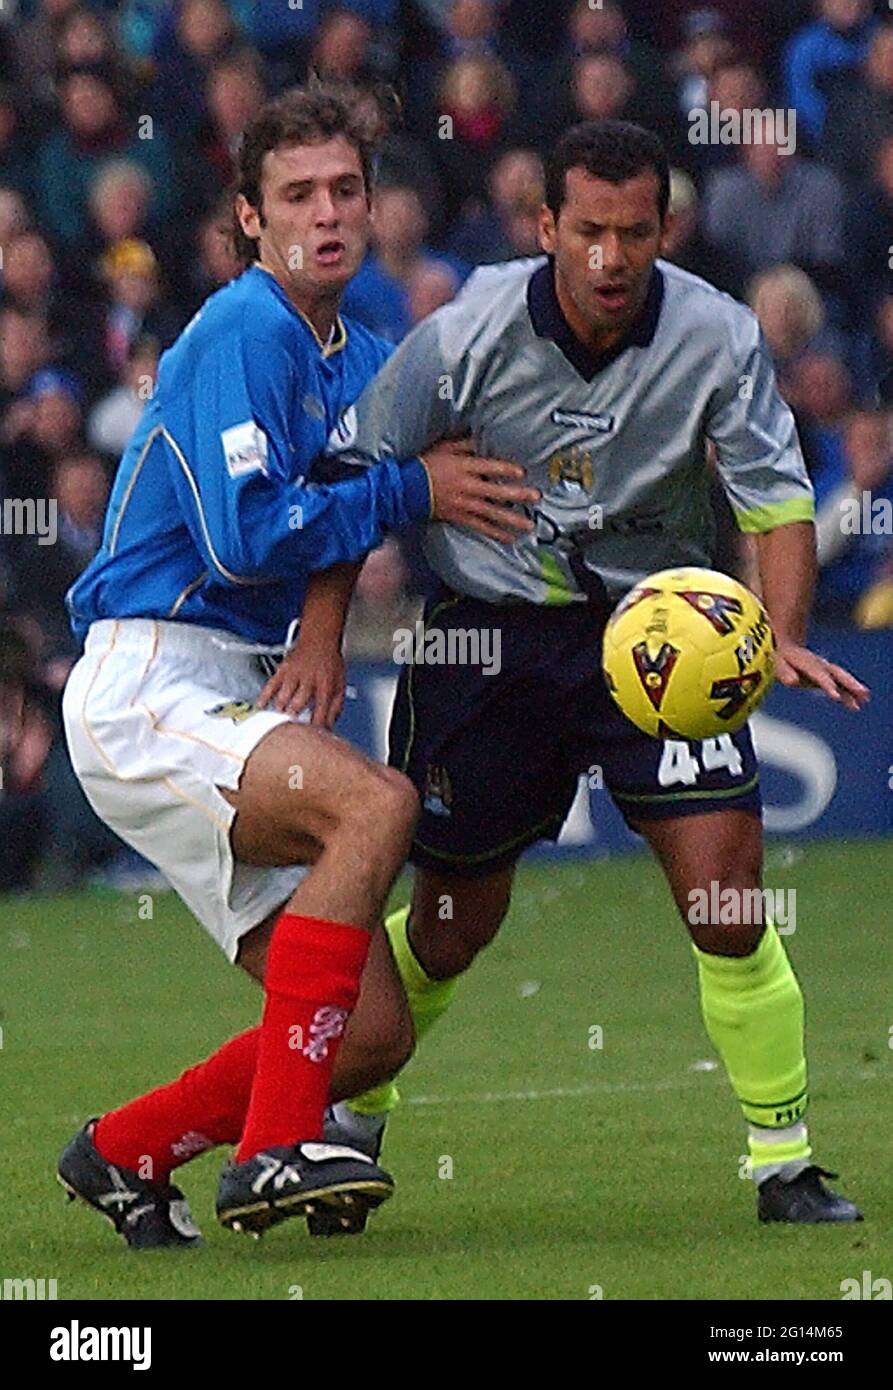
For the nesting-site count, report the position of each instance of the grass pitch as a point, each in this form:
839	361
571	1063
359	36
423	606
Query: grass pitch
531	1162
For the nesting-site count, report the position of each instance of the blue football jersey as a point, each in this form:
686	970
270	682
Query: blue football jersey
213	517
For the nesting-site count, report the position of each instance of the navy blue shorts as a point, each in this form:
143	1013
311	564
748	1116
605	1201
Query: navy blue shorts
496	757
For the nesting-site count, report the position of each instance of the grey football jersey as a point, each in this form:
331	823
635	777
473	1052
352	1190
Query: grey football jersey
617	445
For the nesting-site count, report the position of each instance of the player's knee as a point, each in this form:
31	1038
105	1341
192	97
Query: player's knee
384	808
725	915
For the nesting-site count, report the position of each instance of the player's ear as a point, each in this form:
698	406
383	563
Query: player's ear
547	229
250	219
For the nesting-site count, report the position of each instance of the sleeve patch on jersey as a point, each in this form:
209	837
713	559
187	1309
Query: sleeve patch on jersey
244	448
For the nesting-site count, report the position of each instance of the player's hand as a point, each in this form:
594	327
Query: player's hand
311	673
799	666
476	492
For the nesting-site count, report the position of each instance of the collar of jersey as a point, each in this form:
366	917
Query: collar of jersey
549	322
339	337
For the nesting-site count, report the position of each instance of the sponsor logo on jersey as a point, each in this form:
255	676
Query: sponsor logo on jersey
236	710
582	420
245	449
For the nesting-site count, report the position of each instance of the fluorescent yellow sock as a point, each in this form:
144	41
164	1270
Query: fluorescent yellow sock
753	1011
428	999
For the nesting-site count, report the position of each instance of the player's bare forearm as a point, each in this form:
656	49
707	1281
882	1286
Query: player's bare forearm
313	671
786	558
787	563
327	600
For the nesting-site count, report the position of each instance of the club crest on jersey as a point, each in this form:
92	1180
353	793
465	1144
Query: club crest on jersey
716	608
438	794
236	710
571	466
654	671
581	420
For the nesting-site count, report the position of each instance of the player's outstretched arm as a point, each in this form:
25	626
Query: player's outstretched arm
787	564
761	467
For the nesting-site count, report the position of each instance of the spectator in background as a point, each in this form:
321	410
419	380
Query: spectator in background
706	48
283	35
135	303
16	154
35	48
214	263
379	294
822	399
43	574
28	273
13	217
95	131
340	51
833	45
794	212
683	243
113	419
461	29
476	101
429	286
603	29
26	737
507	226
882	343
234	93
735	87
24	350
84	40
791	315
852	557
46	422
200	34
868	233
860	112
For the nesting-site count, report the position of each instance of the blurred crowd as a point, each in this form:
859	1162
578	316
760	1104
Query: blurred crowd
119	126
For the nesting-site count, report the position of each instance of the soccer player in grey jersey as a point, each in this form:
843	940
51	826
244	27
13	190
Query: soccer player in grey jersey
604	371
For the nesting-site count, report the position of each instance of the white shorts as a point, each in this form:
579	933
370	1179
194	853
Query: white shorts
158	718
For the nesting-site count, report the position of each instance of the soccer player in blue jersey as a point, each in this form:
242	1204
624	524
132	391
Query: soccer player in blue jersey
282	839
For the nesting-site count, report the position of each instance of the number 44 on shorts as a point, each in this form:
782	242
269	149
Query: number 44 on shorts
678	763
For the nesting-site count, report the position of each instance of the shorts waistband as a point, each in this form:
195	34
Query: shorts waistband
144	634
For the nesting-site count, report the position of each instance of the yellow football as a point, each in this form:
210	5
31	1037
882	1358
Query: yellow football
689	653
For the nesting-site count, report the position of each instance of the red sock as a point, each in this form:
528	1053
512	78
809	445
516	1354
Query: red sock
312	982
203	1107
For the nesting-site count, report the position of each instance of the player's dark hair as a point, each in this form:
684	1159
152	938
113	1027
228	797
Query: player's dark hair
306	115
610	150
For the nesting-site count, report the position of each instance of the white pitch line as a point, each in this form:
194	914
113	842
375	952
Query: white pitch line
609	1088
555	1093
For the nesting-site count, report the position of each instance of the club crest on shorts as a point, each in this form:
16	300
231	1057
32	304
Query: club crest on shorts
236	710
438	794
